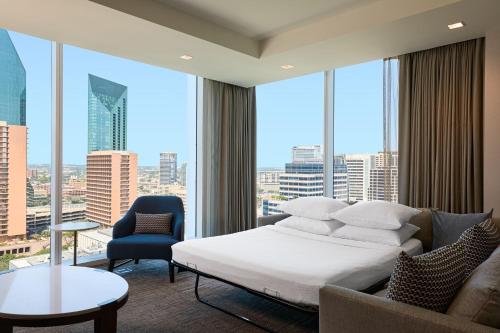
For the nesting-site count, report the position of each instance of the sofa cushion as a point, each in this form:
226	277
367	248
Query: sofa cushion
141	246
429	280
479	242
479	298
424	222
447	227
153	223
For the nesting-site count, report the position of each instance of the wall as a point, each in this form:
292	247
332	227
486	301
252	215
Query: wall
492	122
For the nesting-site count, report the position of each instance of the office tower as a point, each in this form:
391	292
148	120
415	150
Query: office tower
340	183
301	180
30	193
168	168
13	171
307	154
269	176
384	178
358	174
12	83
111	185
107	115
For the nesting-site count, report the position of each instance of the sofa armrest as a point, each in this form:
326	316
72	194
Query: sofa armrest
124	227
348	311
271	219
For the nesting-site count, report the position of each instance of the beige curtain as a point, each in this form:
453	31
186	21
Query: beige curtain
441	127
229	158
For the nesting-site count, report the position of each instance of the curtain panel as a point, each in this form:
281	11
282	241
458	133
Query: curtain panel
441	127
229	158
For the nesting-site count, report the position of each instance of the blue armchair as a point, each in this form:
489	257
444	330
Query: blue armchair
127	245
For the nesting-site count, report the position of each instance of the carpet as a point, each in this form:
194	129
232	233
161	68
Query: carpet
156	305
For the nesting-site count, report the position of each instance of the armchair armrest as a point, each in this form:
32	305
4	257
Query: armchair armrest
123	227
349	311
271	219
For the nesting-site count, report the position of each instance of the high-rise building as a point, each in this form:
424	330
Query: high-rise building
182	174
168	168
13	171
384	178
111	185
13	83
107	115
307	154
358	174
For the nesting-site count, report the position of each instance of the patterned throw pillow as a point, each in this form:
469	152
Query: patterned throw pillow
153	223
429	280
479	241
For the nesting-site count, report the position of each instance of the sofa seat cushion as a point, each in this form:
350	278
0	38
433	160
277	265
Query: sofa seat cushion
141	246
479	298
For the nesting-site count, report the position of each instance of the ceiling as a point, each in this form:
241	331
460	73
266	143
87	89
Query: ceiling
245	42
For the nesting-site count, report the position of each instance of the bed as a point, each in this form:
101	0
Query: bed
288	264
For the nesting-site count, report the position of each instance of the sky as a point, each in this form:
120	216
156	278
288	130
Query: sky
289	112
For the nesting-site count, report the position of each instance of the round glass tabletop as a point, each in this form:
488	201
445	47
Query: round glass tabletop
47	292
75	226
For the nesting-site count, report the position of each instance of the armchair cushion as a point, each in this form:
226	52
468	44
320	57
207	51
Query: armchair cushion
141	246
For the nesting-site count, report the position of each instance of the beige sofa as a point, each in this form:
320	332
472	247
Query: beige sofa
348	311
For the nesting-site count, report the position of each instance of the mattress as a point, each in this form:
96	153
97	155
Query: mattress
290	264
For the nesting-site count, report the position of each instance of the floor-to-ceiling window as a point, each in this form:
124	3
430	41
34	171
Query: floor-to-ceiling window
361	159
25	150
289	141
125	135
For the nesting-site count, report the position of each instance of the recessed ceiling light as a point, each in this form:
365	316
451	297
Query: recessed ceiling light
186	57
287	66
456	25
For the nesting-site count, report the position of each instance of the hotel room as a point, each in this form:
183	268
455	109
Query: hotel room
250	166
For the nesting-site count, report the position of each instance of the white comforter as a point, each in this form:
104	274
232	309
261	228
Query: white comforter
291	264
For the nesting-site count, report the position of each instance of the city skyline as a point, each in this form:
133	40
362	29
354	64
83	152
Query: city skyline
284	107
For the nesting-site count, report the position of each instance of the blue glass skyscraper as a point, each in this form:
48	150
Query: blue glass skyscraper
12	83
107	115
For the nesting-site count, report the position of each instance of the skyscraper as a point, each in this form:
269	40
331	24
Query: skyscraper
107	115
168	168
111	185
358	172
13	139
384	178
12	83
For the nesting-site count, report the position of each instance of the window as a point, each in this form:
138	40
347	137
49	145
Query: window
364	168
125	135
289	141
25	148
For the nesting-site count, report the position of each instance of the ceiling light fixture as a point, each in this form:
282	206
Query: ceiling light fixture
186	57
456	25
287	66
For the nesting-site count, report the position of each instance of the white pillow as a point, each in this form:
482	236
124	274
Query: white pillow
388	237
317	208
317	227
376	214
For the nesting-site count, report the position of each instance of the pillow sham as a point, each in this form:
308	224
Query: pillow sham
317	227
316	208
153	223
376	214
381	236
429	280
447	227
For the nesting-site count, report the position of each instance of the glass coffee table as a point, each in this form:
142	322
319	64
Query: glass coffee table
75	227
61	295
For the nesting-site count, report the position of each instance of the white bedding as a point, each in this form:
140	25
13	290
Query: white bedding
291	264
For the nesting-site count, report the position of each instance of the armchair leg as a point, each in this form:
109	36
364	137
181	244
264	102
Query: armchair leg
171	271
136	261
111	265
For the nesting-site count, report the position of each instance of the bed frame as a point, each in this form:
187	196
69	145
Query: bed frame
308	309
